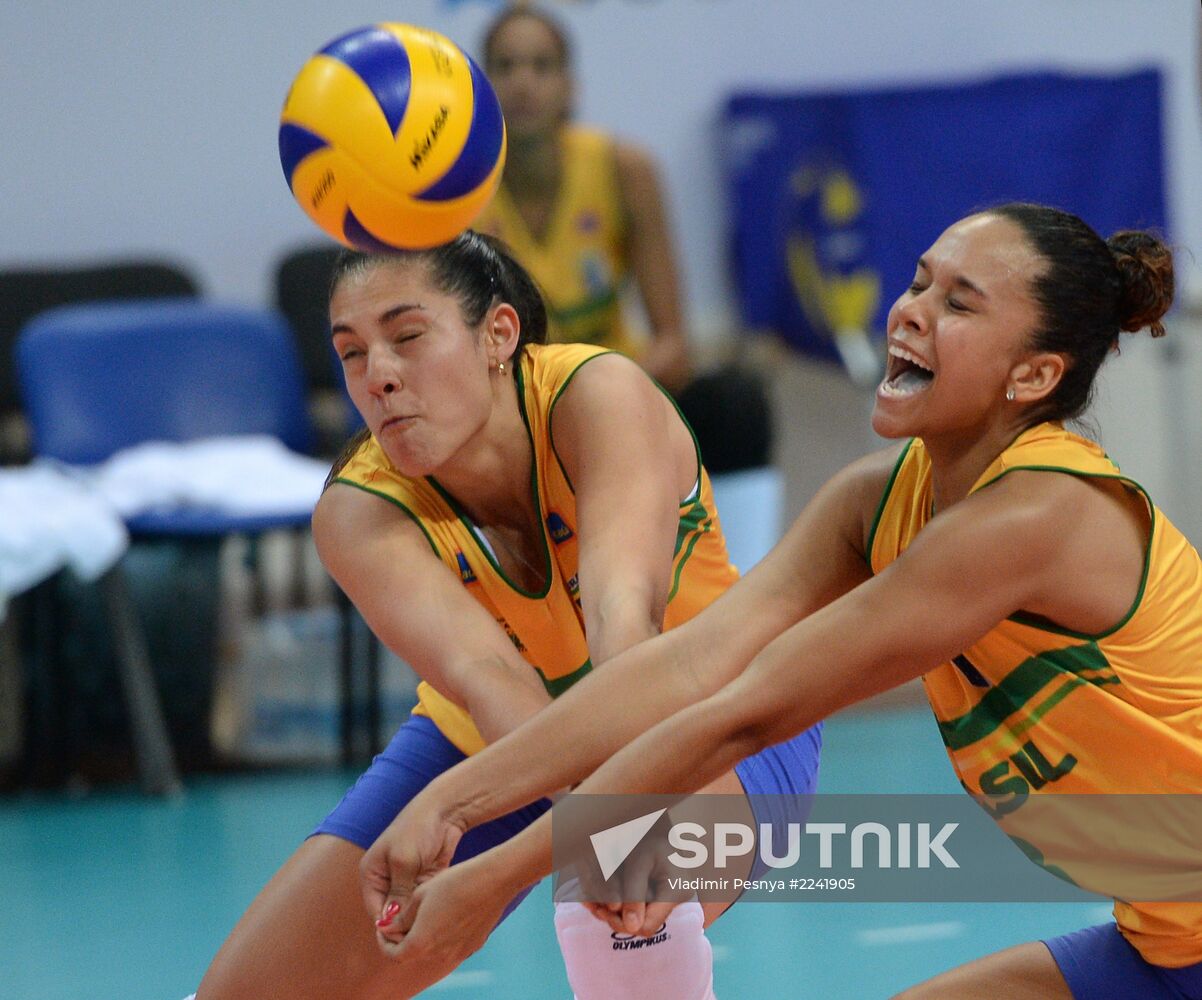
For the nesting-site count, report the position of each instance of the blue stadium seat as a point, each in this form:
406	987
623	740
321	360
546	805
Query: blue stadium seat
106	376
25	292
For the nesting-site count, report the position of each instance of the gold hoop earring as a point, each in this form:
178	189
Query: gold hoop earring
500	367
1010	394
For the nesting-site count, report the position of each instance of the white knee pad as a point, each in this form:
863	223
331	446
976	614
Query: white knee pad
674	964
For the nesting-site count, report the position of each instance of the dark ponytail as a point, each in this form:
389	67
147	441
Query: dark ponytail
1146	283
1089	291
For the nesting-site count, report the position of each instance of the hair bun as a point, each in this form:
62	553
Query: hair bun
1145	266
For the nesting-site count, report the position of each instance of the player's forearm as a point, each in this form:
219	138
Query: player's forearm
681	754
520	861
620	620
571	737
567	740
690	749
836	657
501	697
497	718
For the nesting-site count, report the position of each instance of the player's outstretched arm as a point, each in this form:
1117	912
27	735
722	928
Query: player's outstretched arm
418	608
891	628
820	558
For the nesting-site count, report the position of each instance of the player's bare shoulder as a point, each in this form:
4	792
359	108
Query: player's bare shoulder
349	523
864	481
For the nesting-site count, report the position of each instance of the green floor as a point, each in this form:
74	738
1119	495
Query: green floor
117	897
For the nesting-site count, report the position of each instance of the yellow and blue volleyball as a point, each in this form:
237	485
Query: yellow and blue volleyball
391	138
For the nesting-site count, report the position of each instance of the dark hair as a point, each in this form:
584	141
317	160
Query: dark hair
475	269
519	10
1090	291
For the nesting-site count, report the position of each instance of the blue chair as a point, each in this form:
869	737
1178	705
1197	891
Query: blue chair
25	292
102	377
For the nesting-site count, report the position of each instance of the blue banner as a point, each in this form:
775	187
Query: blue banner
834	196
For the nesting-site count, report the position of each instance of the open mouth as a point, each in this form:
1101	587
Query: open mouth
905	373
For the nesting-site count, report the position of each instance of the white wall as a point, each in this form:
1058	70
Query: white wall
134	125
150	125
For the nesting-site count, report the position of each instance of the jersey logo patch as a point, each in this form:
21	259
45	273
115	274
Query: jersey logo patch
465	569
558	528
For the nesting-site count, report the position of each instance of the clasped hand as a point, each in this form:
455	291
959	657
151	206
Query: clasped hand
638	897
428	915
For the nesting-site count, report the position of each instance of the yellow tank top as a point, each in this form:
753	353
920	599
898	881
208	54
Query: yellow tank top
546	627
1032	709
582	261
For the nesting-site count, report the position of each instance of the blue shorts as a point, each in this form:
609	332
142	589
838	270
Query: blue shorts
419	753
780	783
1098	963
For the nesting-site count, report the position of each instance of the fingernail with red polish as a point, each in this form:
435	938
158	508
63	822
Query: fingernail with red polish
390	911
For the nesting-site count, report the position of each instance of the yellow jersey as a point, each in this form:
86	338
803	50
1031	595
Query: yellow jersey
547	626
581	262
1032	709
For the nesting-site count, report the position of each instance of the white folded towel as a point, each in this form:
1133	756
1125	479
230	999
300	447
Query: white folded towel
54	516
49	519
252	475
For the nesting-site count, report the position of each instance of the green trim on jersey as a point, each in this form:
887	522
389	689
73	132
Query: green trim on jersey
1086	664
393	500
558	686
690	524
1034	621
880	507
477	537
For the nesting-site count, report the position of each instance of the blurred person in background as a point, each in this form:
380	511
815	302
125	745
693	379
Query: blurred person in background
585	212
582	210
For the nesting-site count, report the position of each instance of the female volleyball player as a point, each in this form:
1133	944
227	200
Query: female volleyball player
516	515
993	537
580	210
